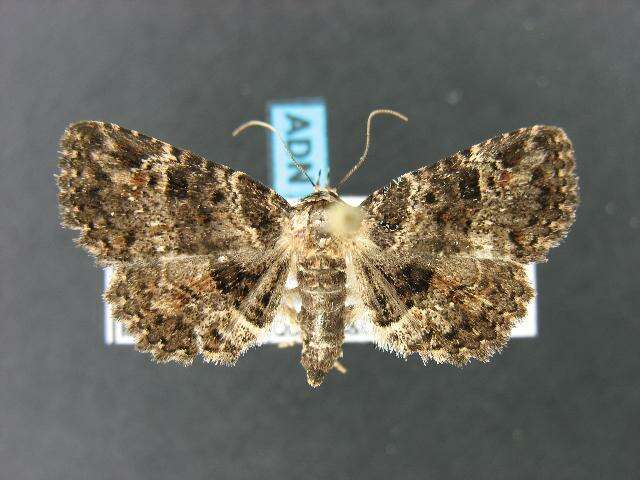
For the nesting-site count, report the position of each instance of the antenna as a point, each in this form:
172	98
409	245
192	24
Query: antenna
368	140
258	123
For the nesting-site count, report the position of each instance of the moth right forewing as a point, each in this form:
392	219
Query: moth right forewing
511	197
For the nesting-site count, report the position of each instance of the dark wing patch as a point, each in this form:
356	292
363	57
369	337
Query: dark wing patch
449	310
178	307
511	197
135	197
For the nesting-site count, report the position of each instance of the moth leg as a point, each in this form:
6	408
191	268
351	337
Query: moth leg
349	315
290	306
340	367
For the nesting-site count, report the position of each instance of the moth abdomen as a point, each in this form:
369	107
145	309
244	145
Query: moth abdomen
322	279
322	322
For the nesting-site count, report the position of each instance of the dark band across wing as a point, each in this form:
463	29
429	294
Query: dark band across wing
449	310
134	197
178	307
512	197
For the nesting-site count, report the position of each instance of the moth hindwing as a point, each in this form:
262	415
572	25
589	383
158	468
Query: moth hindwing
205	257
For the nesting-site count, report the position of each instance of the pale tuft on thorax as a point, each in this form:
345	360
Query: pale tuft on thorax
343	220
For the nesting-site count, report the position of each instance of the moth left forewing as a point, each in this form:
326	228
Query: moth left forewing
133	197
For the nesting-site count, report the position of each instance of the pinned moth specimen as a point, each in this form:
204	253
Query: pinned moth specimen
205	257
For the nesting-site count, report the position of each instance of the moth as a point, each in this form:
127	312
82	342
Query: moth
205	257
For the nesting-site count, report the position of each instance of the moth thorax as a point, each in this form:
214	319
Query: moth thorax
343	220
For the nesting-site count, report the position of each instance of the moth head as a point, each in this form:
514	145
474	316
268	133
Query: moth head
303	170
322	195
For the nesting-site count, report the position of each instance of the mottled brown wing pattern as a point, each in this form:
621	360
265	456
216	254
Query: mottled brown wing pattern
511	197
195	245
202	253
449	309
440	261
177	307
133	197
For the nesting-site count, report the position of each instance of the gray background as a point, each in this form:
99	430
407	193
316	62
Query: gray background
564	405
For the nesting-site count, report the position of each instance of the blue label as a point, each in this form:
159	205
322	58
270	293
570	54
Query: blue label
303	125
